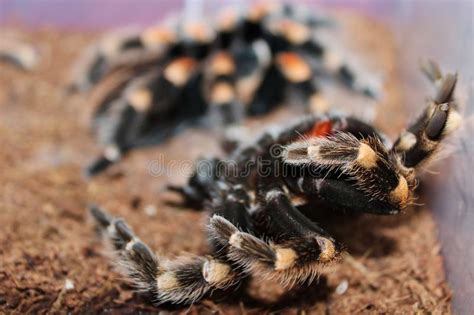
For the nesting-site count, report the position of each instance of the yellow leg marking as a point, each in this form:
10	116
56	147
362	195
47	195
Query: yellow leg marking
200	32
313	152
407	141
227	19
140	99
167	281
318	104
222	93
453	123
366	157
294	67
222	64
157	36
235	240
179	70
401	193
285	258
215	272
294	32
328	250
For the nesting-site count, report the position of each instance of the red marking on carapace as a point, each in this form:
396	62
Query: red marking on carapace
290	59
321	129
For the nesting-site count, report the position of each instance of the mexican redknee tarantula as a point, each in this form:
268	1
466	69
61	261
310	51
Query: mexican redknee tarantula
155	82
256	225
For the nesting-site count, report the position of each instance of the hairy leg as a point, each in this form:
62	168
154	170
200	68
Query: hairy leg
440	117
183	280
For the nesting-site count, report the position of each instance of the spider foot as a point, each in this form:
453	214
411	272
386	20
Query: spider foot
421	140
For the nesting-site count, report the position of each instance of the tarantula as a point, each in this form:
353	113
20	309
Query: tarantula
257	226
157	81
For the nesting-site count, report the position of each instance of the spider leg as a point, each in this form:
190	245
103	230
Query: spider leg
252	26
95	63
129	48
196	38
220	79
351	78
140	50
256	81
443	84
292	35
228	26
332	63
269	94
296	252
183	280
146	101
422	139
299	75
339	167
290	70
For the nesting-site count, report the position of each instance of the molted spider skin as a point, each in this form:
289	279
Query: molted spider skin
255	227
245	64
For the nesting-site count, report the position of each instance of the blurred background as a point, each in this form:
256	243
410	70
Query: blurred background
442	30
94	14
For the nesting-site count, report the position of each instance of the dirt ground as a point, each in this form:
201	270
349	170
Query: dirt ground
50	261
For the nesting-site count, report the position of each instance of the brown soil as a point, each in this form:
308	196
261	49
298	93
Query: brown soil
45	238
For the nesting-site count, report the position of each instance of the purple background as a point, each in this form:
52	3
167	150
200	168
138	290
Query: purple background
93	14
